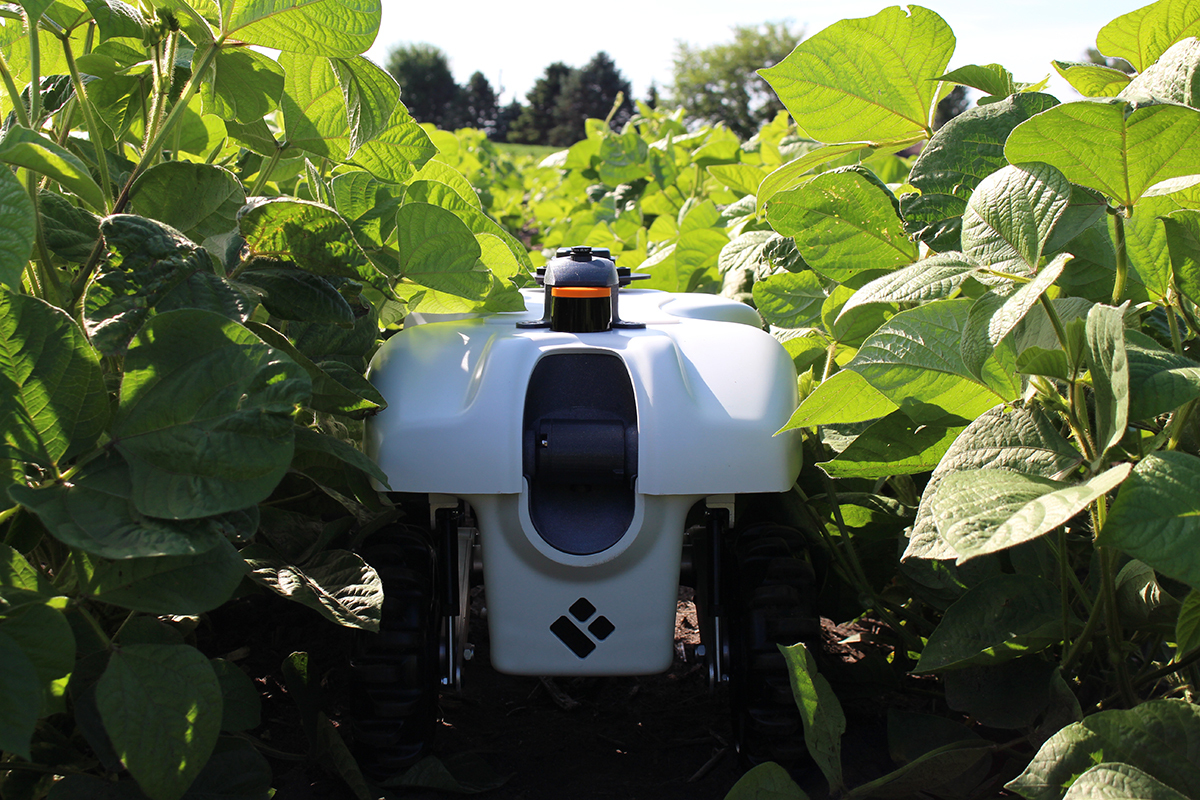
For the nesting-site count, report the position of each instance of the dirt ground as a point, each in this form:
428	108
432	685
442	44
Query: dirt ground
661	737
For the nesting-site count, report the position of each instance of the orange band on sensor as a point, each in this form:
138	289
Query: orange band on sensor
580	291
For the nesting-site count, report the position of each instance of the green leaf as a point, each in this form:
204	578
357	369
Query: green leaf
1158	737
991	79
310	440
929	279
444	196
337	583
70	232
1012	694
1109	366
869	79
17	230
1156	517
205	415
914	361
790	299
116	19
1016	439
17	573
844	224
295	294
20	698
962	153
624	159
209	207
244	85
1119	782
315	120
741	178
1004	617
53	402
313	236
820	711
1174	77
988	510
1141	36
371	95
1092	80
322	27
795	173
1011	214
767	781
161	706
1159	380
94	513
895	445
164	584
1187	625
1111	146
152	268
1183	243
241	705
439	251
988	325
844	398
45	638
22	147
1147	240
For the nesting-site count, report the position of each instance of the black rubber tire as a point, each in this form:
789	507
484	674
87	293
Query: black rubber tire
395	673
770	592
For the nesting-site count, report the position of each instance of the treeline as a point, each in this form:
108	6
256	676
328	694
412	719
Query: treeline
555	111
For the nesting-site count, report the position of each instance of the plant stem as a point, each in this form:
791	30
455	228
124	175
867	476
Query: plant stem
1064	581
1173	323
94	131
35	72
11	86
1122	257
1108	565
1175	426
264	172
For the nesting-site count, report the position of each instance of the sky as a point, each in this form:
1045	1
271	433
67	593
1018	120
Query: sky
512	43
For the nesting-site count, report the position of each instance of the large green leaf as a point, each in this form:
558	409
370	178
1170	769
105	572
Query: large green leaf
1183	243
337	583
438	250
1092	80
987	510
1015	439
161	707
316	121
1159	737
844	224
1187	625
209	206
1119	782
290	293
1141	36
163	584
445	196
895	445
1002	618
20	698
1175	76
962	153
1156	517
93	513
53	402
790	299
1159	380
244	85
1111	146
340	28
1147	240
69	231
313	236
45	638
152	268
1011	214
1109	366
767	781
370	94
17	230
820	712
914	361
22	147
929	279
867	79
845	397
205	415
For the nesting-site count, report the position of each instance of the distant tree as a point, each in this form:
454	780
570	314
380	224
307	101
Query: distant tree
590	92
478	106
719	83
652	95
1096	57
427	86
538	117
504	122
